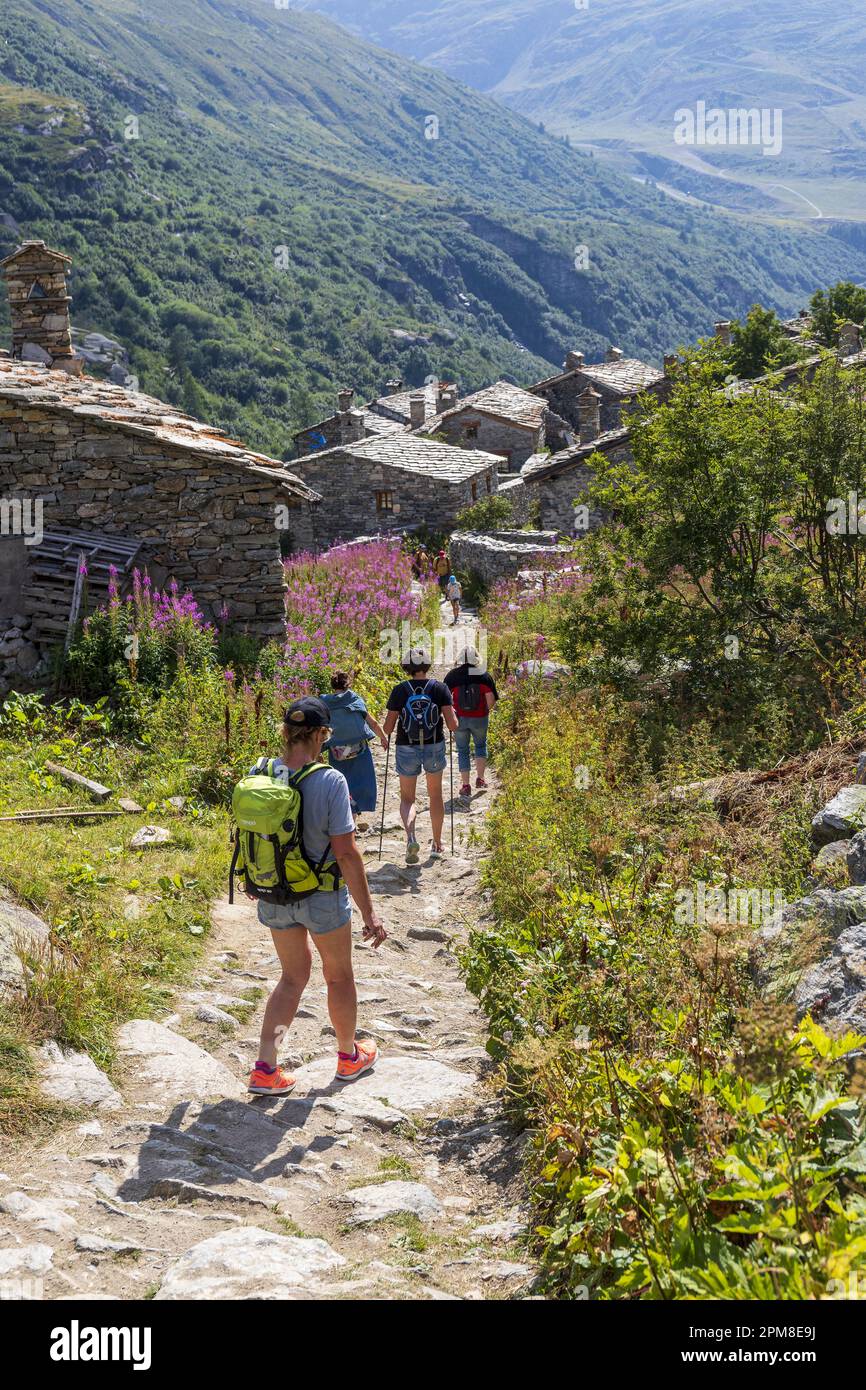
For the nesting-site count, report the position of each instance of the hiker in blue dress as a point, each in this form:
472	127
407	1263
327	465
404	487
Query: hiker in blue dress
352	729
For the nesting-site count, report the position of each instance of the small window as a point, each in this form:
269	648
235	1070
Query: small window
384	501
474	492
470	431
487	481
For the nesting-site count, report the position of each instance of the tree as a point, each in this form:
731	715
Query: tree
759	344
839	304
490	514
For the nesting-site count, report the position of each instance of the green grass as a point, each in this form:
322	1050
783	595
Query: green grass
103	966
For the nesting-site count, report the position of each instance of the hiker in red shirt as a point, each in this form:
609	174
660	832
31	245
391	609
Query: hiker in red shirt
474	693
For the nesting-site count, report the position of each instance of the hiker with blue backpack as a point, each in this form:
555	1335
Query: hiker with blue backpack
295	850
348	750
420	710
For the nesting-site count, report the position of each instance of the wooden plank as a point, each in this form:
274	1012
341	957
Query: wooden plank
86	814
75	606
96	789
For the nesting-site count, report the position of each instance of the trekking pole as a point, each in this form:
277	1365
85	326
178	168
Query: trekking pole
451	779
384	795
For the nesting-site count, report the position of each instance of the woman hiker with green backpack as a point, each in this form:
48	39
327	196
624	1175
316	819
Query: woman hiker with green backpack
352	728
295	847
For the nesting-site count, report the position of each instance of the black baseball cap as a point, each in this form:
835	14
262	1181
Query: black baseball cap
309	712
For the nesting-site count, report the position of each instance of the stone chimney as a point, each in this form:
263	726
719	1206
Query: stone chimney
573	361
849	339
672	362
417	409
357	428
393	386
39	306
613	354
723	333
589	414
446	396
344	400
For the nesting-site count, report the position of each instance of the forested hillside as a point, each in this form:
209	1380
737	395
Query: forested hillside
255	210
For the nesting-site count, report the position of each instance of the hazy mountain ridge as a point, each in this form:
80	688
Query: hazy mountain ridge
279	225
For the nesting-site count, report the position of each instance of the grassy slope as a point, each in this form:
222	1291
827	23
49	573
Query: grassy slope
260	129
620	68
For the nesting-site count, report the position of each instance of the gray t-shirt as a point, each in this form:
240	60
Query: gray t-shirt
327	811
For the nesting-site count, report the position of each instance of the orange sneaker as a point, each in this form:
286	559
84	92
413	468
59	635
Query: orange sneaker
275	1083
366	1056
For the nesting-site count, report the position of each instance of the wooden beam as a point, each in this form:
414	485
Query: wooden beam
96	789
87	814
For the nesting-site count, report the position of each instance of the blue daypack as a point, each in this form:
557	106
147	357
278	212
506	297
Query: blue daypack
348	724
420	715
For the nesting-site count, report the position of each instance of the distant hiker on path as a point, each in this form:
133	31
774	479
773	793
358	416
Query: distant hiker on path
474	693
454	593
442	569
420	710
327	855
352	728
421	564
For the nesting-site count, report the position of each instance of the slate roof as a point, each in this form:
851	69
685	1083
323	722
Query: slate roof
550	465
502	399
398	404
413	453
625	377
131	412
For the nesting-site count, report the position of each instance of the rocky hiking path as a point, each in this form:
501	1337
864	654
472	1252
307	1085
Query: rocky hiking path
405	1184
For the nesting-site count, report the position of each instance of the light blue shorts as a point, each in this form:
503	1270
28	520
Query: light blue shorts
409	758
320	913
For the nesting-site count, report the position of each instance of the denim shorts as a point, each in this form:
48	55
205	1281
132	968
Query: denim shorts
320	913
467	727
410	758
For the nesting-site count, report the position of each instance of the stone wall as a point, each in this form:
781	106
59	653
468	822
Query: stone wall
349	486
514	443
502	554
557	494
211	525
515	491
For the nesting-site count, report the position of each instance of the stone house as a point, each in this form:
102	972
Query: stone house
558	482
394	483
96	468
502	419
397	411
618	381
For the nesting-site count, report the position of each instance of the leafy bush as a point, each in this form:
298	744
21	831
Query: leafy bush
490	514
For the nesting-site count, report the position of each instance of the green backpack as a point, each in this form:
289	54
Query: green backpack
269	839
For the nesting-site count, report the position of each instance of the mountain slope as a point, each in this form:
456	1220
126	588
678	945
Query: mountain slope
615	72
255	211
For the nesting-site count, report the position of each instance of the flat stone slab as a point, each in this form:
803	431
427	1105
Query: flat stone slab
381	1200
409	1084
249	1263
176	1068
46	1214
833	990
148	836
75	1079
26	1259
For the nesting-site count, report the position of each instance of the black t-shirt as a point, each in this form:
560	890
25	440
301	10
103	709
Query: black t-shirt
439	694
470	675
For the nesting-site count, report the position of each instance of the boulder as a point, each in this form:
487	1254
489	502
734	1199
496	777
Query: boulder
790	941
26	1259
833	990
830	868
46	1214
249	1263
381	1200
75	1079
855	858
173	1066
842	817
20	931
547	670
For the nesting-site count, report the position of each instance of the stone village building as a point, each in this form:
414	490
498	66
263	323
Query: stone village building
111	470
505	420
393	483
